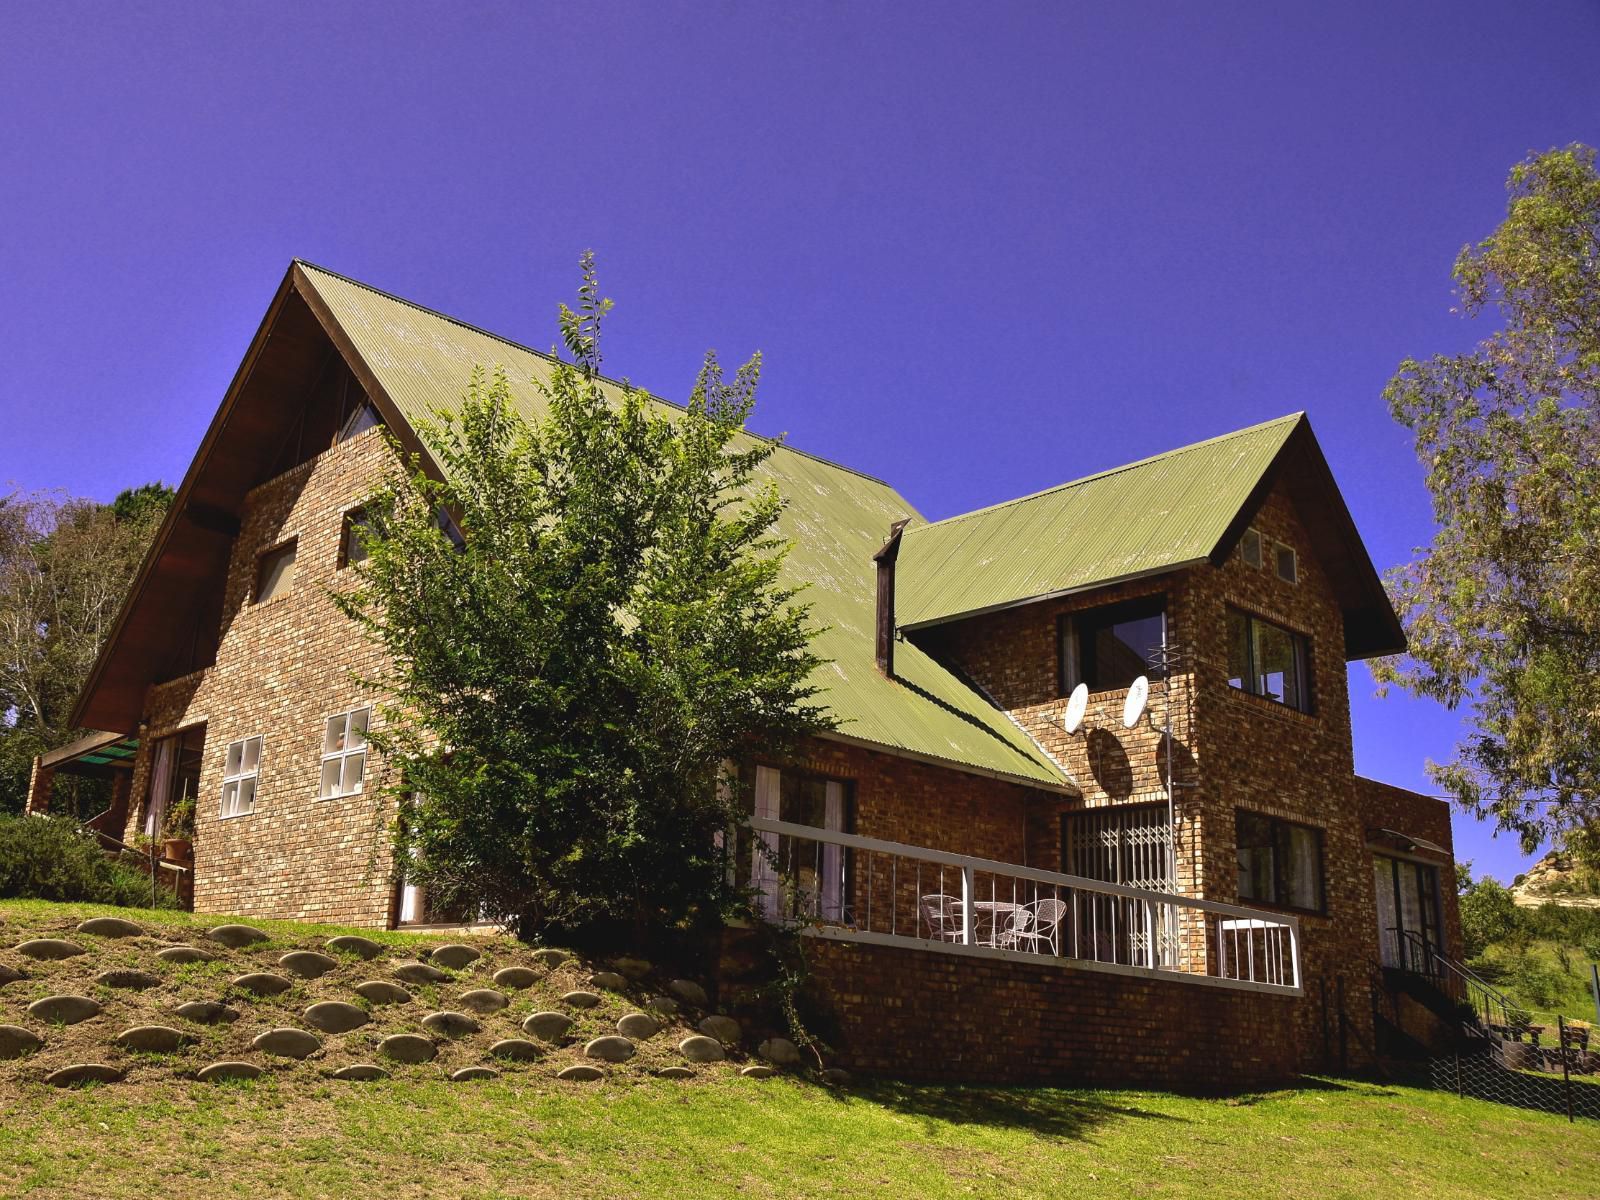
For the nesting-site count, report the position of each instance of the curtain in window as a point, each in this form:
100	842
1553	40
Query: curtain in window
763	877
160	787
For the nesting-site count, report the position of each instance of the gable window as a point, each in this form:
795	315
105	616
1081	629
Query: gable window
240	769
344	753
1280	862
1250	548
1110	647
362	419
351	549
275	572
1288	564
1269	661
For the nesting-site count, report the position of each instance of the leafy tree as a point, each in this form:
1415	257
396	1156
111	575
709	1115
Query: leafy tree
1503	609
571	672
1488	913
65	564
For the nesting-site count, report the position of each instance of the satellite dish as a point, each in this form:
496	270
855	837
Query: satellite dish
1077	705
1133	707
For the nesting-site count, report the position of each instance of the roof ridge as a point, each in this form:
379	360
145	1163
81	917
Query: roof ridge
1109	471
551	358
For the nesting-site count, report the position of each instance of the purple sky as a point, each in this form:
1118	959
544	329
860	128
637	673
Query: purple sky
986	248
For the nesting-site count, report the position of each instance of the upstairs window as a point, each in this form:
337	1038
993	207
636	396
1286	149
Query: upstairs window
1288	564
240	769
1250	548
1280	862
362	419
1269	661
351	549
344	753
1110	647
275	572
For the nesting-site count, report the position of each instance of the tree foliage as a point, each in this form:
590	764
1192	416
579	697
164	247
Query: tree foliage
571	672
1503	609
65	564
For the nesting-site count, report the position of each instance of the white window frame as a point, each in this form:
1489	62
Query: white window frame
1278	552
1252	536
337	751
235	776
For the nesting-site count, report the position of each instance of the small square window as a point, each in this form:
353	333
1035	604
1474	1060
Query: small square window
240	769
351	548
1288	565
1250	548
275	573
344	753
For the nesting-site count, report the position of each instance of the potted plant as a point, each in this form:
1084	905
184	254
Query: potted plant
177	831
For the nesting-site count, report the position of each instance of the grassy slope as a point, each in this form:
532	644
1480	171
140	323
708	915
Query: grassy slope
296	1134
1563	989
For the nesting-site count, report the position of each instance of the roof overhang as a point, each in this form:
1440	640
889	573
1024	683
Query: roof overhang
1379	837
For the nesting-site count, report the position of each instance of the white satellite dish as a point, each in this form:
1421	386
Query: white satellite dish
1133	707
1077	705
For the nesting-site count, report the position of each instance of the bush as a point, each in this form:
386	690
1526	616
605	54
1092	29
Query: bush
54	858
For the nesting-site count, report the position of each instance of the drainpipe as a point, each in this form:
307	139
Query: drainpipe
885	559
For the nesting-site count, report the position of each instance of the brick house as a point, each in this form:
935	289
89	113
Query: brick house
1189	886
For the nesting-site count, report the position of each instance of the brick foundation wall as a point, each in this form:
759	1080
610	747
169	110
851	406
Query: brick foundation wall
925	1015
281	669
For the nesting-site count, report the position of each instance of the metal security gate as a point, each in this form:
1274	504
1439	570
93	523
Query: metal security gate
1130	845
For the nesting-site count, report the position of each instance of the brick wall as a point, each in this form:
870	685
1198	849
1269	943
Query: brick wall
924	1015
282	668
1383	806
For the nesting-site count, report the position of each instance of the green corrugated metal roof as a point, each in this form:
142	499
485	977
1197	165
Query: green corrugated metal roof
1146	517
836	519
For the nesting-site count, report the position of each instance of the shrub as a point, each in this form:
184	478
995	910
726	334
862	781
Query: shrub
54	858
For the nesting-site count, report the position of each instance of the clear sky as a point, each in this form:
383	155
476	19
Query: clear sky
985	247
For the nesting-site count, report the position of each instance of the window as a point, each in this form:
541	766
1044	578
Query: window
359	421
351	550
1110	647
1269	661
1280	862
275	573
1127	844
344	753
793	876
1408	912
239	770
1250	548
1288	565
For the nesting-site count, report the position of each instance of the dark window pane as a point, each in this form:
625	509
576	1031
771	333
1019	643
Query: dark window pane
1255	857
1280	862
1238	649
1114	645
1277	664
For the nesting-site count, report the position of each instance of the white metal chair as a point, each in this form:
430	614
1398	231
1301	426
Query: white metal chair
1033	927
942	916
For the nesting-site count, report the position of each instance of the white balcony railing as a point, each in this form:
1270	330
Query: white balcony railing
862	889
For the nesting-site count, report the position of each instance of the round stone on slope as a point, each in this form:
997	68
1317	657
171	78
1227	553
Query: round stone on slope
237	936
581	1073
351	943
455	956
83	1073
335	1016
185	954
417	972
450	1024
701	1049
675	1073
263	983
63	1010
516	977
580	999
467	1074
688	991
638	1026
634	968
137	981
515	1049
780	1052
608	981
547	1026
307	964
610	1048
221	1072
381	991
665	1005
15	1041
484	1000
836	1077
549	957
110	927
288	1043
153	1039
758	1071
360	1073
50	949
9	975
725	1029
206	1012
407	1048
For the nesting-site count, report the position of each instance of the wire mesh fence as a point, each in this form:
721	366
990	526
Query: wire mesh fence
1561	1076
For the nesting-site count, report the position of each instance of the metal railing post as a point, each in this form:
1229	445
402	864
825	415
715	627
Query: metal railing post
969	894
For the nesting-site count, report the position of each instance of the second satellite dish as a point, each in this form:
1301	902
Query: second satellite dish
1077	705
1133	707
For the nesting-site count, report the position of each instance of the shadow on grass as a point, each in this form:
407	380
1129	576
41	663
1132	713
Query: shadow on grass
1045	1111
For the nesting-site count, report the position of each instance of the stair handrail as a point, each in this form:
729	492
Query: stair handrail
1478	990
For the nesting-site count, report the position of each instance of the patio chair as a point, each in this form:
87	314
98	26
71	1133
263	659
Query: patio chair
941	915
1033	927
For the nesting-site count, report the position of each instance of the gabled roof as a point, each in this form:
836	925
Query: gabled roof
1179	509
413	362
